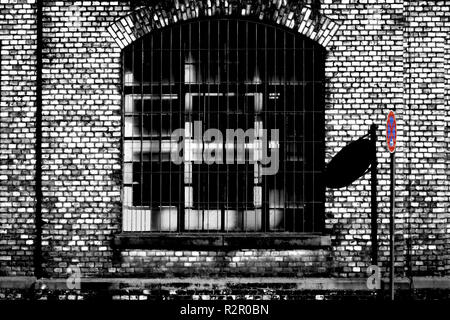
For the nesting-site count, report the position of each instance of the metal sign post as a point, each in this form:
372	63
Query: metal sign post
373	198
391	139
391	222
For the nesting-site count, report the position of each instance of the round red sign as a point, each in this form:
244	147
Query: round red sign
391	131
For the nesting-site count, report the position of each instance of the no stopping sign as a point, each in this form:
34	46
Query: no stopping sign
391	131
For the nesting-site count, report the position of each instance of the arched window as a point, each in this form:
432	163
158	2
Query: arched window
224	74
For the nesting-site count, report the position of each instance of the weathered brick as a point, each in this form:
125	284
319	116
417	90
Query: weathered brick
382	55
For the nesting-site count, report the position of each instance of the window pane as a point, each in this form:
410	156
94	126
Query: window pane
223	186
157	184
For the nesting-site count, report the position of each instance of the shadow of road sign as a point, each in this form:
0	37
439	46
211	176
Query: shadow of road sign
349	164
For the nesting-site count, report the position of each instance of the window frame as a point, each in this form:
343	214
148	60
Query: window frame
267	238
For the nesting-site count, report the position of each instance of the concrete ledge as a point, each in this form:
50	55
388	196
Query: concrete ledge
216	284
17	282
221	283
431	282
221	241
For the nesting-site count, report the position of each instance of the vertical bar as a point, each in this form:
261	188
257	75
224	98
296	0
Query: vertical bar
183	118
373	184
314	139
202	100
295	114
266	193
267	116
286	131
223	206
152	115
170	117
125	213
303	84
392	227
257	119
244	122
142	213
276	116
134	215
161	174
220	208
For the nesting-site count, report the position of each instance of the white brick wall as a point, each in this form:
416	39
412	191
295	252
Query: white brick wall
388	54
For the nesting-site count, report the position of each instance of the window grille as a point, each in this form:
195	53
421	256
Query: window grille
223	74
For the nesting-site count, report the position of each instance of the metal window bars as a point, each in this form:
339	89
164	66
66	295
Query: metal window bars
223	74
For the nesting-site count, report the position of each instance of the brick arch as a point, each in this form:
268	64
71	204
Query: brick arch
296	15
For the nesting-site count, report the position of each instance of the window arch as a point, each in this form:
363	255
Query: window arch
225	74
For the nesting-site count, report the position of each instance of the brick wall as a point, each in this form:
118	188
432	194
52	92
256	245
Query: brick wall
243	263
81	135
372	66
17	136
365	79
427	214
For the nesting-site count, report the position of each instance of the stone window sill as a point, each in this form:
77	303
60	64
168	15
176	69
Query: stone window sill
224	241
